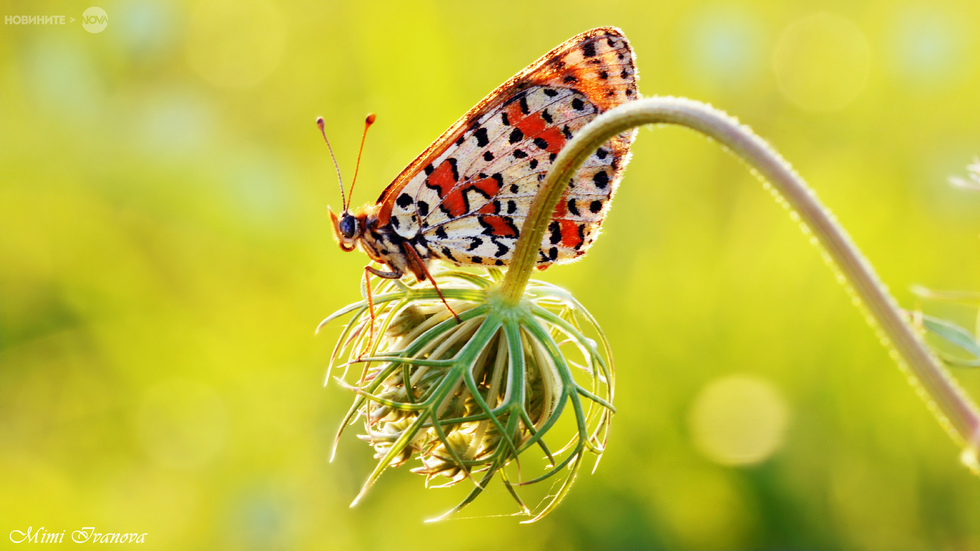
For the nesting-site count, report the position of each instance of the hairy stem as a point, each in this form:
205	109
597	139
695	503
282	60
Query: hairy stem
955	411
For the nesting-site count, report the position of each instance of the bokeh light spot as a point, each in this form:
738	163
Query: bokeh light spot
929	48
821	62
175	123
235	44
739	420
724	46
64	80
182	423
145	28
258	186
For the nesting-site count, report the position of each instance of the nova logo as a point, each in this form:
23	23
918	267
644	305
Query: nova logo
94	20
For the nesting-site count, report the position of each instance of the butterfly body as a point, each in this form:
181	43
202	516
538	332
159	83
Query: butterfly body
465	198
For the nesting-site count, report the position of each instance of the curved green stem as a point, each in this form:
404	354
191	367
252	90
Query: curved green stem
955	411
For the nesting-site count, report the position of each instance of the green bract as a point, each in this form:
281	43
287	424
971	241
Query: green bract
476	395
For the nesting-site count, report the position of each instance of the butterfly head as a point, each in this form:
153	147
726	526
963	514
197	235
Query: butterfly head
349	228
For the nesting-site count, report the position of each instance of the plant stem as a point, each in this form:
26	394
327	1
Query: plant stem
954	410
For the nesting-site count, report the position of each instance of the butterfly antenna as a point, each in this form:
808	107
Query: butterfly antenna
319	123
367	124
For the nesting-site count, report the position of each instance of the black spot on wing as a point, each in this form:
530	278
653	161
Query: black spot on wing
555	228
516	135
588	50
501	248
452	164
481	137
601	179
423	208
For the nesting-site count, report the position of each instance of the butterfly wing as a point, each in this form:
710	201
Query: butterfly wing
465	198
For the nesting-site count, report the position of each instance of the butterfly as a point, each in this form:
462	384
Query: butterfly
465	198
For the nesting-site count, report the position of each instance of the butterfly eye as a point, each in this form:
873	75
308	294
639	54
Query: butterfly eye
348	226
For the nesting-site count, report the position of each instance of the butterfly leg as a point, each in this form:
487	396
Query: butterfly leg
419	266
394	274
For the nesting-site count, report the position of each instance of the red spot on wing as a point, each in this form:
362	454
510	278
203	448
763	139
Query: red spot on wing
442	178
455	204
530	125
561	209
570	237
555	139
499	226
514	113
489	186
534	126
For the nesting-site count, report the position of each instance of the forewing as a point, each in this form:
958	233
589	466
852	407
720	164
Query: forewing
465	199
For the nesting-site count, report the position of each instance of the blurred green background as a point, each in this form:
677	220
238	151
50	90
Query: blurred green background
165	255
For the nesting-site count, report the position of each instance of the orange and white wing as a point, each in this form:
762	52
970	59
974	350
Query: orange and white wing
464	199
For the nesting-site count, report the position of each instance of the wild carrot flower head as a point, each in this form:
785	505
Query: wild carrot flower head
480	396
